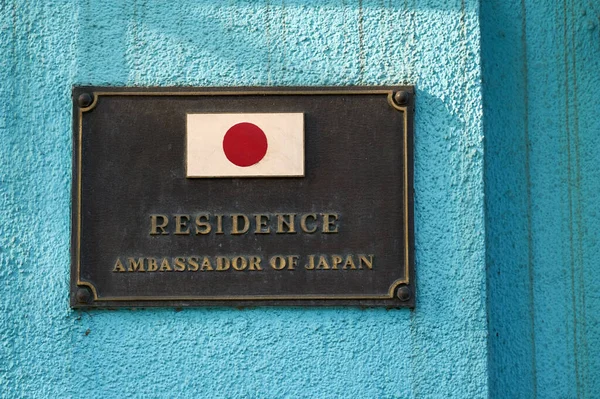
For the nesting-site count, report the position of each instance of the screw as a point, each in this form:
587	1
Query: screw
84	100
401	97
83	295
403	293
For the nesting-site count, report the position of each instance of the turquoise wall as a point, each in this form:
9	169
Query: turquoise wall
541	73
48	350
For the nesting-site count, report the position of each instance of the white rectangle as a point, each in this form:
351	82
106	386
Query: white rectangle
205	153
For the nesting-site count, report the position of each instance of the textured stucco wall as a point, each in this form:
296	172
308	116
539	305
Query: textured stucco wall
48	350
541	68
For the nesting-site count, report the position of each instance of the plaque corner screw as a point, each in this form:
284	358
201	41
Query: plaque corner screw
85	100
83	295
401	97
403	293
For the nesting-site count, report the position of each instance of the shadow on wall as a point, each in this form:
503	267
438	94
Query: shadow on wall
541	95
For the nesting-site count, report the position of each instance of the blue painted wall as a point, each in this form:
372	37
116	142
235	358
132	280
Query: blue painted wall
541	73
49	350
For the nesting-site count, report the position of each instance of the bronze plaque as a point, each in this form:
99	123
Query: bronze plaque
242	197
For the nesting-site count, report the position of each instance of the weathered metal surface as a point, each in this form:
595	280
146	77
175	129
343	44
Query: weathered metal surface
145	235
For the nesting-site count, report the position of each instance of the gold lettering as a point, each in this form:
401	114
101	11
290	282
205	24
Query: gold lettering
254	263
222	263
303	224
136	266
368	262
262	222
206	265
292	261
277	262
155	225
289	223
241	265
323	263
205	226
335	261
235	223
219	224
181	223
349	261
165	266
152	265
118	266
328	224
311	263
193	263
179	265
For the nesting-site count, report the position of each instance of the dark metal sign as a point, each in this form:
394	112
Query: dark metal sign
242	197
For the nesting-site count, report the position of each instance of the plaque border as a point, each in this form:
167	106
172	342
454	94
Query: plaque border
407	110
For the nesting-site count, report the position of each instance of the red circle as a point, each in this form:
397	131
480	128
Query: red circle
245	144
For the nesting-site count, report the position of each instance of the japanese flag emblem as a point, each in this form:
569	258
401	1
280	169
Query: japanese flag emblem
245	145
